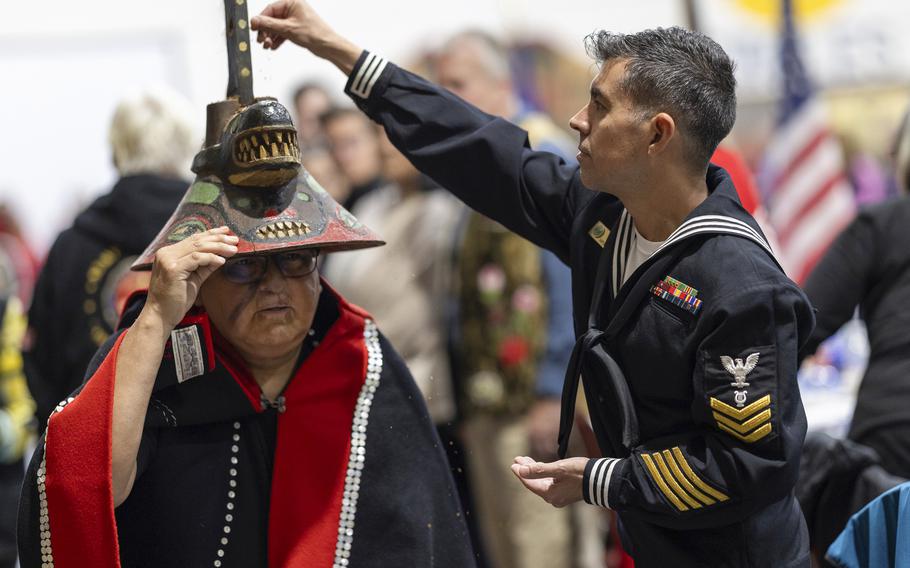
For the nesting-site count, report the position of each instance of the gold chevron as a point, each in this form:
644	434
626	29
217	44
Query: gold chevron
681	459
671	481
684	481
740	414
661	484
746	426
751	438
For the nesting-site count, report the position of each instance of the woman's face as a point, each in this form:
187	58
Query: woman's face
264	319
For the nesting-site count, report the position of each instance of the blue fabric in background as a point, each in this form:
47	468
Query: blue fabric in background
878	536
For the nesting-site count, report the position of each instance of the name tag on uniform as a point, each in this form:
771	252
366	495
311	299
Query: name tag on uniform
600	233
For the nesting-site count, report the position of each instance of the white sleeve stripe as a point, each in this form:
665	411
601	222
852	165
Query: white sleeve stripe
360	72
367	75
375	77
600	486
599	481
606	490
592	485
368	71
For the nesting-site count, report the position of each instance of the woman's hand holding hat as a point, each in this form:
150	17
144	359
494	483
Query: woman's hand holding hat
181	268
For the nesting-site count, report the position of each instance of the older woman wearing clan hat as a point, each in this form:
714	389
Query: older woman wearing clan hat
244	414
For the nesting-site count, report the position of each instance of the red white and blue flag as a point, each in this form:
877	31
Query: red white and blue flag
809	197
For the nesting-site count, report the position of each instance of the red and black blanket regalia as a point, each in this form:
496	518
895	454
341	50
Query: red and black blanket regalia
344	470
689	367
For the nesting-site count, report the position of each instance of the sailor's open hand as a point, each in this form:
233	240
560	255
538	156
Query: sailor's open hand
180	269
558	483
297	21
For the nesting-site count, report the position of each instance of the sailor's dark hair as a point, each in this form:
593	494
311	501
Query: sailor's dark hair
683	73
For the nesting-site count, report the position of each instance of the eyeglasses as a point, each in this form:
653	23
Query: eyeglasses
293	264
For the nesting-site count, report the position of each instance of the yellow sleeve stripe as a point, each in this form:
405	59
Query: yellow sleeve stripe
681	459
746	426
671	481
740	414
678	482
661	484
751	438
685	482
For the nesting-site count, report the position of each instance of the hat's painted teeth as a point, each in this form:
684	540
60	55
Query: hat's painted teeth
282	229
276	144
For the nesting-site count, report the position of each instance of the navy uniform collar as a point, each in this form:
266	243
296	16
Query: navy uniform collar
720	213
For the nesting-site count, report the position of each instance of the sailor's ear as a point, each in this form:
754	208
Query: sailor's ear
663	129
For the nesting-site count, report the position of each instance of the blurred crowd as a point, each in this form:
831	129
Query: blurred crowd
481	316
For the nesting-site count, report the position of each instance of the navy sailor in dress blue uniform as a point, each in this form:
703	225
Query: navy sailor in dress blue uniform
688	355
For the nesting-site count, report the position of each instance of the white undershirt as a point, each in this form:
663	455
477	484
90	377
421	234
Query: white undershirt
640	251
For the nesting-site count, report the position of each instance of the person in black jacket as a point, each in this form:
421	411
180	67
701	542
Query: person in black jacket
688	329
86	278
868	265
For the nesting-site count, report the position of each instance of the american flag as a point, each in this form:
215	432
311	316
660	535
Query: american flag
803	173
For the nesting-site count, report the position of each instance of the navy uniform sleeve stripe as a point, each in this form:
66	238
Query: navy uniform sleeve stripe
596	481
366	73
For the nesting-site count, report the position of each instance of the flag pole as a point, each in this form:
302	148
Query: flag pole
691	12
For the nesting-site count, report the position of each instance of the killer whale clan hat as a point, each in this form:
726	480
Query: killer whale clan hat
249	176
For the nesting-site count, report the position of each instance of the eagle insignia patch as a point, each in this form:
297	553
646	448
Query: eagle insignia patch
739	370
741	392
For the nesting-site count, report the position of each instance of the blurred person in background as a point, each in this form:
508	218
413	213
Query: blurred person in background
868	266
405	283
513	333
16	415
322	166
19	269
86	278
354	143
311	101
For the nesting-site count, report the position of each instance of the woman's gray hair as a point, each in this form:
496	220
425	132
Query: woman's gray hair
153	133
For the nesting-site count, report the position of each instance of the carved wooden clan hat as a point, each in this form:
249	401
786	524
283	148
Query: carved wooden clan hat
249	177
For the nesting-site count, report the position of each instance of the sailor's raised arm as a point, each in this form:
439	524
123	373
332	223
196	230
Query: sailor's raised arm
484	160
